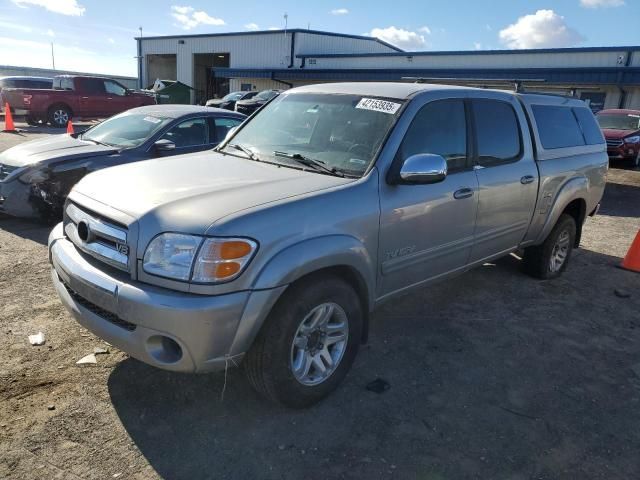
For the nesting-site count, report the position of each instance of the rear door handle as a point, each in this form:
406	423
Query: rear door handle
527	179
463	193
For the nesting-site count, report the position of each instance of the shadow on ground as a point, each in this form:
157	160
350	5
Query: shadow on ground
516	379
30	229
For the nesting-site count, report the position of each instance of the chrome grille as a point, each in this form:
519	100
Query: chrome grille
96	236
5	170
614	143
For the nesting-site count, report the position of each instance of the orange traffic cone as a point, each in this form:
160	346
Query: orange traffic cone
70	128
8	119
632	260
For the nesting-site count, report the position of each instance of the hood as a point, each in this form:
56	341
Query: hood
52	148
615	134
188	193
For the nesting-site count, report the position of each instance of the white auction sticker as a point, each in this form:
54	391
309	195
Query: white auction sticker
152	119
378	105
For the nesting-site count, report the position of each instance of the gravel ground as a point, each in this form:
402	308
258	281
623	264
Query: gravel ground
492	374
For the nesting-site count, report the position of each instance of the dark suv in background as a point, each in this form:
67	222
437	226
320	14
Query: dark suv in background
621	129
249	106
228	102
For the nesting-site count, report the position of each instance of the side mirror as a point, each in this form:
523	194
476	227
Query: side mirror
423	168
163	145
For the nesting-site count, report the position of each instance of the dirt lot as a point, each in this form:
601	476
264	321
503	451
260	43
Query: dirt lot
493	375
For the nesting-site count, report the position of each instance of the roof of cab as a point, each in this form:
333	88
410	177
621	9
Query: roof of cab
178	110
396	90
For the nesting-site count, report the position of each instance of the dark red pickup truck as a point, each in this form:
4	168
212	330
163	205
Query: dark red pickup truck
74	96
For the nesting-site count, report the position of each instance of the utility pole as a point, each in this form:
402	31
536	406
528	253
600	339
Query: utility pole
286	21
53	57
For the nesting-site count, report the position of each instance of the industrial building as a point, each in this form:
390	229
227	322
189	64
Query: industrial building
214	64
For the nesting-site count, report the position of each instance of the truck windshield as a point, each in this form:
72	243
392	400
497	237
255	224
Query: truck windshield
125	130
619	122
341	132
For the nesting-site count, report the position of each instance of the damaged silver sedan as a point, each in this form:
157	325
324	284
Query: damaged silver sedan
36	176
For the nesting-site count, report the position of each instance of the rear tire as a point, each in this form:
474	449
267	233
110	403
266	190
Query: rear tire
59	116
551	258
286	361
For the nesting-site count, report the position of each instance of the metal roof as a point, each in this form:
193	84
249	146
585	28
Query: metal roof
272	32
436	53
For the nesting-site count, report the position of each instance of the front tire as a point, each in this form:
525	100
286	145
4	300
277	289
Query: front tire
308	343
551	258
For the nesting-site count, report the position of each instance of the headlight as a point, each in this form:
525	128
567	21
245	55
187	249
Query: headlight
222	259
175	255
634	139
171	255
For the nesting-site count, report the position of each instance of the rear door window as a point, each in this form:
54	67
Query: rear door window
590	129
497	132
440	128
557	127
190	133
93	85
223	125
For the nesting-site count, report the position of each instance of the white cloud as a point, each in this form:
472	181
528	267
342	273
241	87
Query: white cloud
252	26
425	29
339	11
14	26
400	38
601	3
51	33
188	17
543	29
274	28
65	7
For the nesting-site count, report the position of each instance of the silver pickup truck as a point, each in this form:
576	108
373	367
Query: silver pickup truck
273	249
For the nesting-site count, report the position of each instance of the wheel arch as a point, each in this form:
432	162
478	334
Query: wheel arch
339	255
570	199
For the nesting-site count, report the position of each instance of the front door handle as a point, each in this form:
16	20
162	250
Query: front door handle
463	193
527	179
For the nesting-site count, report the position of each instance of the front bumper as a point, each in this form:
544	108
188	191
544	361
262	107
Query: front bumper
623	152
164	328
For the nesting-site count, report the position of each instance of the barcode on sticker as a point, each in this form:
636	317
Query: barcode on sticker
378	105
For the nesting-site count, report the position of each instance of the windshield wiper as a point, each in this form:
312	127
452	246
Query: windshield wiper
245	150
310	162
95	141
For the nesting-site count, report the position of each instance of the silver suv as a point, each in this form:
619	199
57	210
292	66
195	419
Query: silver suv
273	249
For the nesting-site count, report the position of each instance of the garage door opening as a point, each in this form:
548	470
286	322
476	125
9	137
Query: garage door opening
205	82
161	66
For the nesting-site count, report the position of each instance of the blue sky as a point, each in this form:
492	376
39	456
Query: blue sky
97	35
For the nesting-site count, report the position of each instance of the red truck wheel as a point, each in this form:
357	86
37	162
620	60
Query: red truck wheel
59	116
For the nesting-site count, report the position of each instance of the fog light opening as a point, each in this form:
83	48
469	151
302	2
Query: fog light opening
164	349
